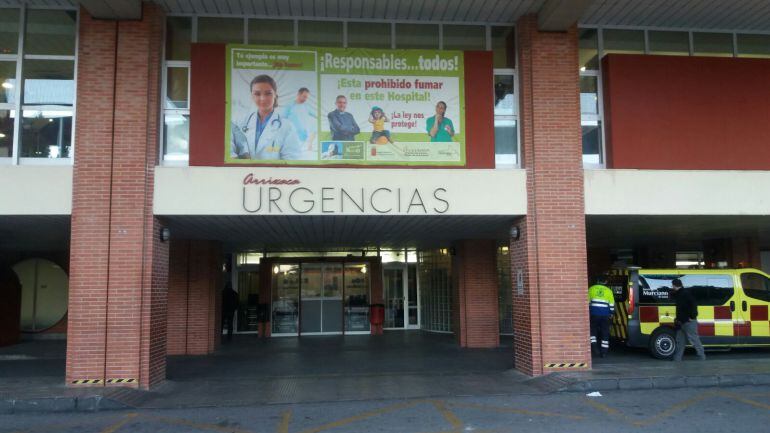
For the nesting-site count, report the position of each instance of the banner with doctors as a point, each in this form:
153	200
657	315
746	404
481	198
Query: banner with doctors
344	106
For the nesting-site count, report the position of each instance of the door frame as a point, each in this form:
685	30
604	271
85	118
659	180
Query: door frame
269	262
404	268
234	282
322	267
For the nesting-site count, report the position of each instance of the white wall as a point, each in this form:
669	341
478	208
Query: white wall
35	190
677	192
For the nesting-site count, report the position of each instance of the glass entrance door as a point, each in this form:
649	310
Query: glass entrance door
321	298
402	309
285	302
393	283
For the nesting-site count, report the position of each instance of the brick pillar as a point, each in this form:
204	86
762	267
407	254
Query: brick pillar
475	310
178	295
118	266
194	297
550	307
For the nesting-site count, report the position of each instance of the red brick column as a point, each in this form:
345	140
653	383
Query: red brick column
118	265
475	309
550	308
178	294
194	297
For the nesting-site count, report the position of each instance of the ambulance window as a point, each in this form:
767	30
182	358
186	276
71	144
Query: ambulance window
654	289
756	286
709	289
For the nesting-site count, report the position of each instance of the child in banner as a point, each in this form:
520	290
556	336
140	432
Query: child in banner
377	118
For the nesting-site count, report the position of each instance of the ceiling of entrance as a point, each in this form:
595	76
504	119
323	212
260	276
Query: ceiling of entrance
745	15
27	233
628	231
303	233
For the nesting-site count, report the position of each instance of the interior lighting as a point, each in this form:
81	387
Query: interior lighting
7	85
2	135
276	270
363	269
582	69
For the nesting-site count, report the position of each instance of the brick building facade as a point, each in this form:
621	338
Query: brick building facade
553	217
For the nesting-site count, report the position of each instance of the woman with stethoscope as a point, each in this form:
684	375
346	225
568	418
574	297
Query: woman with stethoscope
264	134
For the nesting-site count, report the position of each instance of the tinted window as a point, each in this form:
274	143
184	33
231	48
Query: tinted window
655	289
707	289
756	286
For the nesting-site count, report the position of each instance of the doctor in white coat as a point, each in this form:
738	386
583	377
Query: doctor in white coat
264	134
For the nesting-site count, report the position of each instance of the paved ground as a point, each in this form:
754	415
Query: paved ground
744	409
399	365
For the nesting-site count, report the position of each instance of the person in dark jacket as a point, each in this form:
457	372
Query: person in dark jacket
341	123
685	323
229	306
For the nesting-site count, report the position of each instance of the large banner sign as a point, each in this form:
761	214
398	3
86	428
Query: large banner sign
344	106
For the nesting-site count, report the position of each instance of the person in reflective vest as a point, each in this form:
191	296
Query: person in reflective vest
601	307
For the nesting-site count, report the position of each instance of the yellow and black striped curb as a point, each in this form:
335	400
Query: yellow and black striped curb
567	365
87	382
121	380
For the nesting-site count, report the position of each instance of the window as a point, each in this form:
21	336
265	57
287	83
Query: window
753	45
506	126
178	38
590	119
320	33
417	36
435	280
756	286
271	32
369	35
655	289
588	50
176	85
38	122
467	38
356	301
623	41
708	289
9	31
669	43
689	259
590	105
503	41
49	92
50	32
7	104
220	30
713	44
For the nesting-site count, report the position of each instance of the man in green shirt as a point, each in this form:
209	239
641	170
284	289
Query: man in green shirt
439	127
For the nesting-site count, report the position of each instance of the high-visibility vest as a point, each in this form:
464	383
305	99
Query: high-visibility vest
601	301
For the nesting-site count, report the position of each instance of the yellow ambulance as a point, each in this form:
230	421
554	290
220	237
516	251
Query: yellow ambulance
732	307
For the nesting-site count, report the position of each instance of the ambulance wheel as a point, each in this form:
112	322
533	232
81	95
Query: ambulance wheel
663	343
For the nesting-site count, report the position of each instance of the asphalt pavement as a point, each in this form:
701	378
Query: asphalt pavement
737	409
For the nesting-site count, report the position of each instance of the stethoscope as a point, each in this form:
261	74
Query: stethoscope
245	128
